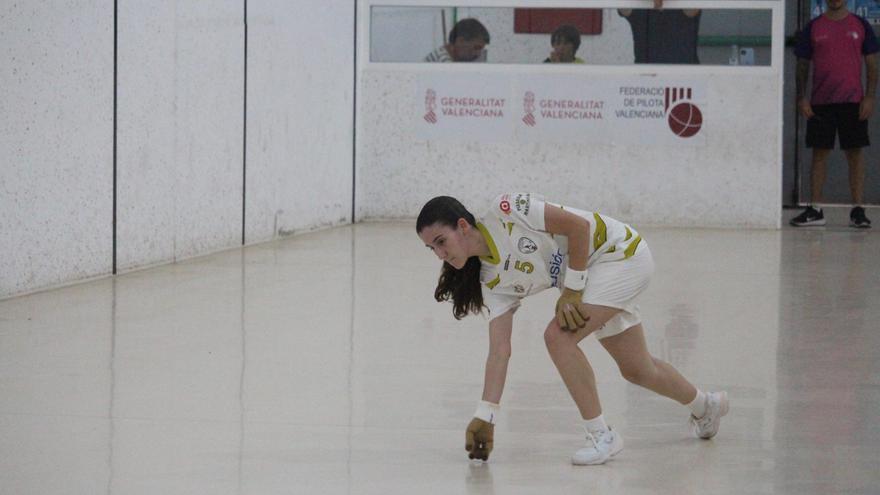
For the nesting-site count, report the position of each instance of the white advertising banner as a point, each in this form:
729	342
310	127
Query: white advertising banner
596	109
611	110
469	107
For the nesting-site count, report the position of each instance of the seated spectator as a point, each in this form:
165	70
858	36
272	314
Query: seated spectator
565	42
467	43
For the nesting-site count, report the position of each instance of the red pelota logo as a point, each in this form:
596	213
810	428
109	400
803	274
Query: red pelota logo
505	204
685	119
430	105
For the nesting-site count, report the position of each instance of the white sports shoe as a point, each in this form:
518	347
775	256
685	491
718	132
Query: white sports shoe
717	406
601	446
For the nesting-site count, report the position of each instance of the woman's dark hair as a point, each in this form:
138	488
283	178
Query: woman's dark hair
462	286
567	34
469	29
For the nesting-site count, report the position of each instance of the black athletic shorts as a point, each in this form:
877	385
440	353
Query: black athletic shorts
837	119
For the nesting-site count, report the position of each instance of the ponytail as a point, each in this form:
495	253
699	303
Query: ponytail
462	286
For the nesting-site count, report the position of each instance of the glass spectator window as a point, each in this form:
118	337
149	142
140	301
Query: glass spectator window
608	36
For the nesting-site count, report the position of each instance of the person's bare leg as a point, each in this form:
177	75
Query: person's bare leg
856	160
638	366
572	364
817	174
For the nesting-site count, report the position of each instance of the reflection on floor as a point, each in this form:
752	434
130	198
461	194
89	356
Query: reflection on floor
320	364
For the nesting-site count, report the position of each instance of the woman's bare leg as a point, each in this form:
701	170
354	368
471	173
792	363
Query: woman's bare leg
638	366
572	364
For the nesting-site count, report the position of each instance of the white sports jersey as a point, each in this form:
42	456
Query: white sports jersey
439	55
525	259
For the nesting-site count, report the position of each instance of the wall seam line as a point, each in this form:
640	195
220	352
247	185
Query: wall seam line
115	114
244	135
354	118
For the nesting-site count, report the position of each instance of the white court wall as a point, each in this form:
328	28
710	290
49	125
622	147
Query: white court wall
733	180
56	142
182	176
180	126
300	116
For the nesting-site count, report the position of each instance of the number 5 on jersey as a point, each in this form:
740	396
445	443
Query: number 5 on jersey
524	266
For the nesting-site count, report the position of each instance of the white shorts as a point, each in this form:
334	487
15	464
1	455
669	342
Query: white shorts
617	284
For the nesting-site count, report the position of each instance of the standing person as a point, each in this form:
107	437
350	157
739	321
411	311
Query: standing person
565	42
467	43
836	42
664	36
519	247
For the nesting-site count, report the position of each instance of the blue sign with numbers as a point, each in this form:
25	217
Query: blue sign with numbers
869	9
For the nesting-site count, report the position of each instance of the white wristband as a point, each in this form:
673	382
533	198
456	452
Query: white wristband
575	279
487	411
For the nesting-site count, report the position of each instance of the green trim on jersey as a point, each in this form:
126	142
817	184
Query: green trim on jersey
600	236
492	283
631	249
493	257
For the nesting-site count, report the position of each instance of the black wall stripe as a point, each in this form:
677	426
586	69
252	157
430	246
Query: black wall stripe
115	85
796	193
244	134
354	115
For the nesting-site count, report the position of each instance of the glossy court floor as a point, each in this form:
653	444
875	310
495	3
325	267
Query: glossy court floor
320	364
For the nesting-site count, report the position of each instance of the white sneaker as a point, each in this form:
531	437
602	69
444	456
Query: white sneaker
601	446
717	406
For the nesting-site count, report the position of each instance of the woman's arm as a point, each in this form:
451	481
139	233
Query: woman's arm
577	229
480	432
500	329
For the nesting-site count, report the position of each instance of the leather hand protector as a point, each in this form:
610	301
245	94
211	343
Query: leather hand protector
569	311
479	439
